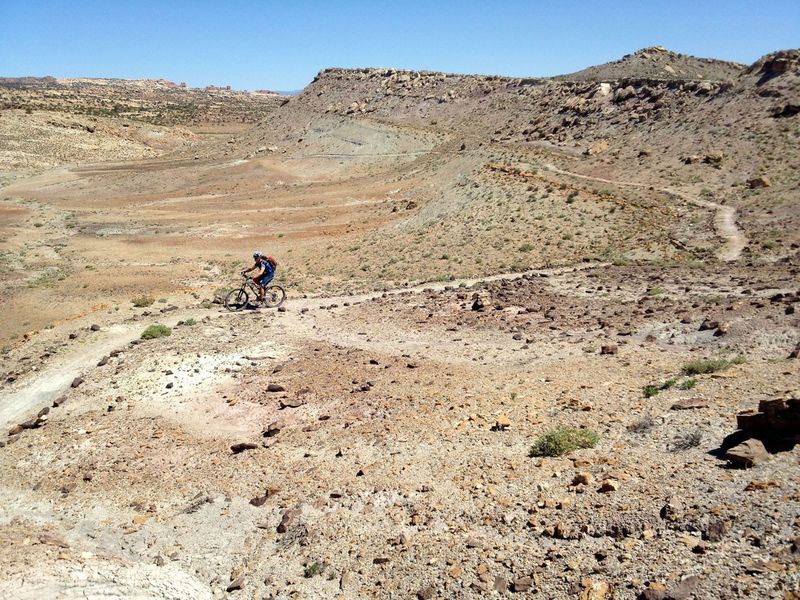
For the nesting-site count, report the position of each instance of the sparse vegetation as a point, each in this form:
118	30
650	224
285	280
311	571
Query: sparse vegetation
156	331
650	390
315	568
687	440
563	440
142	301
704	366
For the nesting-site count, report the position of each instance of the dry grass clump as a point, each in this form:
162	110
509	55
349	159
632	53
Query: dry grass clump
563	440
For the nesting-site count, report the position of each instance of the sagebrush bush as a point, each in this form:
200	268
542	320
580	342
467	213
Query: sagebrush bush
156	331
563	440
143	301
704	366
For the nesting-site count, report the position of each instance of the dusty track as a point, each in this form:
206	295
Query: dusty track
724	219
43	387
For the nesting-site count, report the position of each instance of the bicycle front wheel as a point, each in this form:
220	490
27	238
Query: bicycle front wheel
236	300
275	295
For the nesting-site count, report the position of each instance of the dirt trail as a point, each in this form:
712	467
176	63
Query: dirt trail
724	219
21	400
42	387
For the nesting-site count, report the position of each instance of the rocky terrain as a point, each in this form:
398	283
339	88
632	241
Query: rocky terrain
480	271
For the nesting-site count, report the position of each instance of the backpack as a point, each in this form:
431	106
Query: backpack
271	260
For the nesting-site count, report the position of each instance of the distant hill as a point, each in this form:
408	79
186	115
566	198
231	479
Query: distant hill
657	62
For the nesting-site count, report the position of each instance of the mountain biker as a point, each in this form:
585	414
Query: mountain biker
267	272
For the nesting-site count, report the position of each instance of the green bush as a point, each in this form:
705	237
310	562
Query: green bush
703	366
189	322
156	331
650	390
142	301
563	440
314	568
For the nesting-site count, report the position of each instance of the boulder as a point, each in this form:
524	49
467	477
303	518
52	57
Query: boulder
747	454
623	94
762	181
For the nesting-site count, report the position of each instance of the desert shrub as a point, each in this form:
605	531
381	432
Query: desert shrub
685	441
650	390
563	440
526	247
668	383
687	384
156	331
142	301
314	568
189	322
703	366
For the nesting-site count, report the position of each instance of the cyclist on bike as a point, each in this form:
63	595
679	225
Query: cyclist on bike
266	274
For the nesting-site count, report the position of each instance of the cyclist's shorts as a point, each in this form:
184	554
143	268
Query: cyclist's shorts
264	280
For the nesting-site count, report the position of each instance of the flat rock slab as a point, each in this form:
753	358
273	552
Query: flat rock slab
747	454
689	404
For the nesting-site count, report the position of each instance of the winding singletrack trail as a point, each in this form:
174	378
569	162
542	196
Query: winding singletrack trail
724	219
40	388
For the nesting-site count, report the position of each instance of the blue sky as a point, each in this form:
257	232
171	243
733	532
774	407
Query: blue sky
282	45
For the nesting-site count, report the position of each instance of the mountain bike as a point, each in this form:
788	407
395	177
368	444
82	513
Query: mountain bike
238	299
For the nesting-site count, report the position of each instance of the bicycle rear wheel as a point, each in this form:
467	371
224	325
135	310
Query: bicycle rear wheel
236	300
275	295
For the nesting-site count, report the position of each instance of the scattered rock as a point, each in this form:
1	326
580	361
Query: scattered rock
275	387
236	584
609	349
689	404
759	182
76	382
242	446
583	478
522	584
426	593
609	485
747	454
708	324
272	429
715	531
502	423
594	590
291	403
288	519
